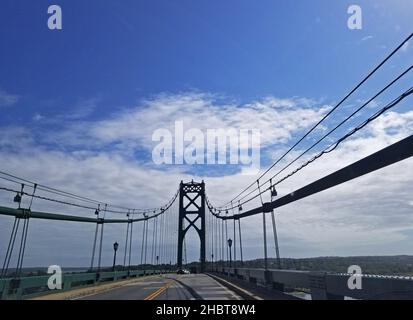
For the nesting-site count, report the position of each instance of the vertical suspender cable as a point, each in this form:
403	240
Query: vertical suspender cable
173	234
217	240
167	237
226	239
240	240
235	247
21	247
94	242
160	240
143	241
274	229
234	241
126	240
146	240
165	245
153	242
222	244
264	230
101	238
212	221
24	235
171	237
164	241
9	248
130	243
156	241
13	235
176	230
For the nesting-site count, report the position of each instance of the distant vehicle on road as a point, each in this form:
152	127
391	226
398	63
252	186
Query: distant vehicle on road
183	271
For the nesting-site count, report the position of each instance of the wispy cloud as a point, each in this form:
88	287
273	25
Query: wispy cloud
82	109
360	217
38	117
366	38
131	129
8	99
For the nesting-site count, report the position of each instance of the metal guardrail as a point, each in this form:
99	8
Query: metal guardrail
29	287
325	285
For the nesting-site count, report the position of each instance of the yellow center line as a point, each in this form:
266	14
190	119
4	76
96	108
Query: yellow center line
161	290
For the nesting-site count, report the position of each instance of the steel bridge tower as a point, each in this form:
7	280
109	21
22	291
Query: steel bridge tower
191	210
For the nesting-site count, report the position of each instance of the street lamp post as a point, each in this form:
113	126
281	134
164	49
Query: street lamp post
115	248
230	256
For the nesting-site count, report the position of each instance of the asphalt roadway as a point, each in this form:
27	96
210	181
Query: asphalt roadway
169	287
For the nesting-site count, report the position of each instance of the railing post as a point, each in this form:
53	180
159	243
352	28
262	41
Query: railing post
67	282
6	287
268	278
318	286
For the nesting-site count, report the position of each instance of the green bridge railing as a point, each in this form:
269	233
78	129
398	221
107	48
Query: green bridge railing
30	287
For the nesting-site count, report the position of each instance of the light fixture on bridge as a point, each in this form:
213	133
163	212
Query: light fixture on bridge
230	242
115	248
240	207
226	211
230	257
17	198
273	191
97	212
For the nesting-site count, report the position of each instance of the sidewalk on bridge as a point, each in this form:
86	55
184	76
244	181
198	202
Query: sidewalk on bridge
250	291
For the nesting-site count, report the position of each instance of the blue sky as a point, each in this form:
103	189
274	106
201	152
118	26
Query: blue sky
82	102
124	51
111	55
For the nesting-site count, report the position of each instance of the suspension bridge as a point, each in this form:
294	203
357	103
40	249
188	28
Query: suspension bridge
220	273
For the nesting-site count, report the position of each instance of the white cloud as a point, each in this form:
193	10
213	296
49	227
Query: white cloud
131	129
8	99
370	215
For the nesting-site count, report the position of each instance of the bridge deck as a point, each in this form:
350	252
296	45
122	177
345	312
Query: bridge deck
169	287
